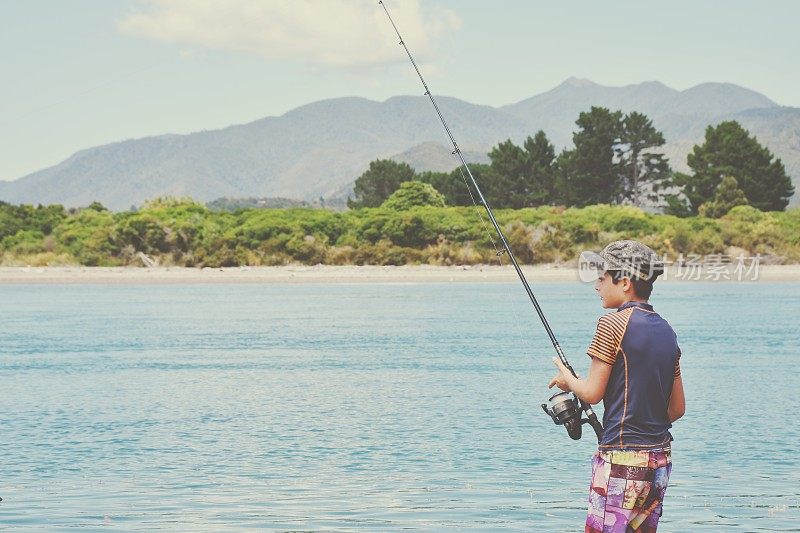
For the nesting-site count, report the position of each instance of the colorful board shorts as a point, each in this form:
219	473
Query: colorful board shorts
627	490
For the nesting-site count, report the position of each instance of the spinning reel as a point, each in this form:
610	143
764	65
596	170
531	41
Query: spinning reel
566	410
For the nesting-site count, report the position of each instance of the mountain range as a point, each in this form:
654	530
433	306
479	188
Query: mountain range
317	150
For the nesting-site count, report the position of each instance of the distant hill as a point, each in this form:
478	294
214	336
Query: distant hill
317	150
438	157
676	113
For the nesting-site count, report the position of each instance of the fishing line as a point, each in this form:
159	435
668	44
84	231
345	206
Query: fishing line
564	410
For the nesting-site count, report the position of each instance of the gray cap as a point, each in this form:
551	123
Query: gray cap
632	258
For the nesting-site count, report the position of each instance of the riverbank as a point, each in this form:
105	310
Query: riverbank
359	274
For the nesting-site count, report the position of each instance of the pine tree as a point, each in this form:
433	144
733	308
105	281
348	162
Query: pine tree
542	162
729	150
589	174
510	174
523	176
643	171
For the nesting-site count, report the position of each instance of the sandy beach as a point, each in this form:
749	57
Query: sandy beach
352	274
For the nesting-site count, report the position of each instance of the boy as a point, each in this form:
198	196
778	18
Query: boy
635	371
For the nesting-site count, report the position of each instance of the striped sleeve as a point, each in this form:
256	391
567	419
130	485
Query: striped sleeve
678	363
608	337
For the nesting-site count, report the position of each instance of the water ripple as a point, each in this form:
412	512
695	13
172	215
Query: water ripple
366	408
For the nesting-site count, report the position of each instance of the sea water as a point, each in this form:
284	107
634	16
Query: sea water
370	407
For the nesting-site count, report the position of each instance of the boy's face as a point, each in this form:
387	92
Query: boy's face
612	295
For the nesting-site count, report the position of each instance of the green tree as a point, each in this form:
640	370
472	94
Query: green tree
729	150
523	176
374	186
589	173
542	159
728	196
643	172
456	185
509	175
413	194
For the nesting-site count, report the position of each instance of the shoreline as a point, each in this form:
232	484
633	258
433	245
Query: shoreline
346	274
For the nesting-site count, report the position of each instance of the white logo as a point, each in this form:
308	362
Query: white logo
590	267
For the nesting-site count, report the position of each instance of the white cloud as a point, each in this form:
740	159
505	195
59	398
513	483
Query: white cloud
339	33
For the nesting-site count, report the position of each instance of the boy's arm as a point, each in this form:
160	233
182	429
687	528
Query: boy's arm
592	388
677	401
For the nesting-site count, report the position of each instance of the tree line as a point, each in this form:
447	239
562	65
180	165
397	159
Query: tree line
616	158
411	227
551	206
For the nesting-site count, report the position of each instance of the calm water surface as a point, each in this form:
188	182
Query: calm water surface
369	407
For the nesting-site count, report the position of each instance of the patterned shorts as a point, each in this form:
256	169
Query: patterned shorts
627	490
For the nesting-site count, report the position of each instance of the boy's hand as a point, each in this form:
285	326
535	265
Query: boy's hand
560	379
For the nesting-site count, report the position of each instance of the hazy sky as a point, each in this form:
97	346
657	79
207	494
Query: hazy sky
80	73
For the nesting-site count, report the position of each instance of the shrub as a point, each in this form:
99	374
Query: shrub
24	242
182	232
88	236
522	240
414	194
447	253
728	196
706	241
306	249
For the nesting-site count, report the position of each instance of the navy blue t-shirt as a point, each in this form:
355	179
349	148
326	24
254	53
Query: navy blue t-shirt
643	351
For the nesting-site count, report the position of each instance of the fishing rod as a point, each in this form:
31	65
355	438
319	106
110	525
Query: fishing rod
564	410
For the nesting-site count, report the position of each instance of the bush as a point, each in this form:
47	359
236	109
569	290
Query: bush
307	249
24	242
747	227
414	194
89	237
182	232
446	253
706	241
728	196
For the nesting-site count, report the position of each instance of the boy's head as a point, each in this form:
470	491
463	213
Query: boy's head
628	271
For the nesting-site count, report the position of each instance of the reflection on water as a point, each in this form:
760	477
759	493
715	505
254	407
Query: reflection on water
372	407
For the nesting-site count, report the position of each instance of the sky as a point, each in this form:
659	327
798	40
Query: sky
82	73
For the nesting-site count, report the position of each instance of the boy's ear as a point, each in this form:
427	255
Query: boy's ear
627	284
